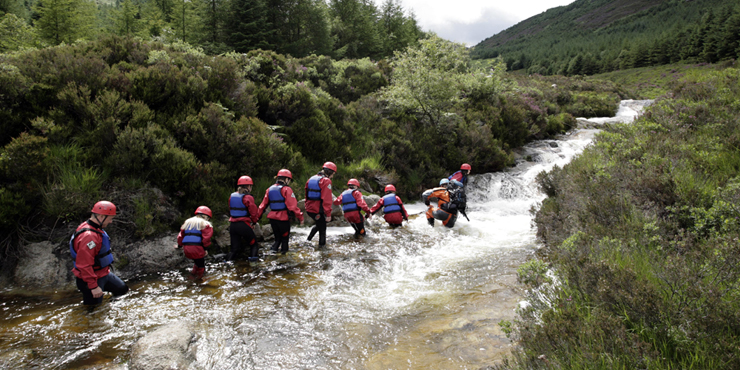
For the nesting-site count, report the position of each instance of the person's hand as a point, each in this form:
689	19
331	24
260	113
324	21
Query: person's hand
328	218
206	253
301	222
177	246
97	292
369	215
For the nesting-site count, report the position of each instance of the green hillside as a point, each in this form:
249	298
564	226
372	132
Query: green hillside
596	36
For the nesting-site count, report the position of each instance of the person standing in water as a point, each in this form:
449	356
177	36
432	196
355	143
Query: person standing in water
393	210
352	203
91	252
444	210
194	237
282	202
243	213
319	200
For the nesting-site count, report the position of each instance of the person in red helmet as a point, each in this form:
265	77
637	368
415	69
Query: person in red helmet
393	210
352	203
319	199
461	176
91	252
282	202
243	213
194	237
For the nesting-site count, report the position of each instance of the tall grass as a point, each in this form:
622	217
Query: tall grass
72	187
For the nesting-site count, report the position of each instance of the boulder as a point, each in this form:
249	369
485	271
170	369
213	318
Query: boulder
169	347
41	269
149	256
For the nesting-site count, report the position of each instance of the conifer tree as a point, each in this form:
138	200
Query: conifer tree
65	20
354	29
248	27
126	18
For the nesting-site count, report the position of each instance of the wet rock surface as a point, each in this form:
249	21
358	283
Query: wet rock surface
169	347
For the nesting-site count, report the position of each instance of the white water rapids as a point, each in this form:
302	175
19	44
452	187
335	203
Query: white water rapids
416	297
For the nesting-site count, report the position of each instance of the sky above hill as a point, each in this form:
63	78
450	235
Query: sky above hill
472	21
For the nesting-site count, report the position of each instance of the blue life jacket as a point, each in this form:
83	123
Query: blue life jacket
390	204
236	205
103	258
313	190
192	237
463	179
349	203
277	200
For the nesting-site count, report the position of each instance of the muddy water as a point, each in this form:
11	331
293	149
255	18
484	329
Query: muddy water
416	297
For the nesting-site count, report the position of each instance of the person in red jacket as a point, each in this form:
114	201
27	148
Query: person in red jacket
283	204
319	199
352	203
243	213
194	237
393	210
91	252
462	175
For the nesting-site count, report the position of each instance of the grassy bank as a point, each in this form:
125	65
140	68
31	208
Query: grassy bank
642	234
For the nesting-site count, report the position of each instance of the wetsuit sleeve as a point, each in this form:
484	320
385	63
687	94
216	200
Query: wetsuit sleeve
207	234
326	195
360	201
254	212
180	235
377	206
86	256
263	205
291	202
403	209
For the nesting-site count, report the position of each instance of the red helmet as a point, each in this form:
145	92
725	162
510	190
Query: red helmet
465	166
285	173
104	207
245	180
353	182
203	210
331	166
390	188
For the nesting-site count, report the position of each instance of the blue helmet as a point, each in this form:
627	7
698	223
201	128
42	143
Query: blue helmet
443	182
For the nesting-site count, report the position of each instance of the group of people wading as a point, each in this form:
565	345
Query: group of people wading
90	244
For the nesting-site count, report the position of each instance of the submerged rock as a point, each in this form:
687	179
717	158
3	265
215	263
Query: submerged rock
170	347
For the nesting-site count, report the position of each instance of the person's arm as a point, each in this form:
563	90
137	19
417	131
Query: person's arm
338	201
403	209
254	212
86	256
180	235
361	202
377	206
264	204
292	203
326	196
207	234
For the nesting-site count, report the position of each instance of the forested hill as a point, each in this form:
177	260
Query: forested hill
595	36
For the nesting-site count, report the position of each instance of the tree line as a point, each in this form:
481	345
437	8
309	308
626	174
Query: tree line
699	31
339	28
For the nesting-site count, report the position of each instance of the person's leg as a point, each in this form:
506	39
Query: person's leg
430	215
112	283
359	227
277	234
321	223
87	296
285	234
315	227
199	267
236	231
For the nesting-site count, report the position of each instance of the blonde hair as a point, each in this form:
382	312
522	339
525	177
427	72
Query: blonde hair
195	222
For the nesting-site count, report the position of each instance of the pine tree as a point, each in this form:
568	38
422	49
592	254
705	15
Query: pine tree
126	18
65	20
354	29
248	27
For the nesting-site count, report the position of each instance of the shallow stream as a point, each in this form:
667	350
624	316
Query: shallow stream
416	297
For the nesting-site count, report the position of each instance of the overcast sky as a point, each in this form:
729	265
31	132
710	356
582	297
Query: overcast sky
472	21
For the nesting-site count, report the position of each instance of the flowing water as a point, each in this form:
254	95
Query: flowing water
416	297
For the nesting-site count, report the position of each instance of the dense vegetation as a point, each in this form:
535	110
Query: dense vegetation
338	28
591	37
642	234
155	127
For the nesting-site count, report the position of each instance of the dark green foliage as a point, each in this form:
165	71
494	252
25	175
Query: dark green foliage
247	27
590	37
642	230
